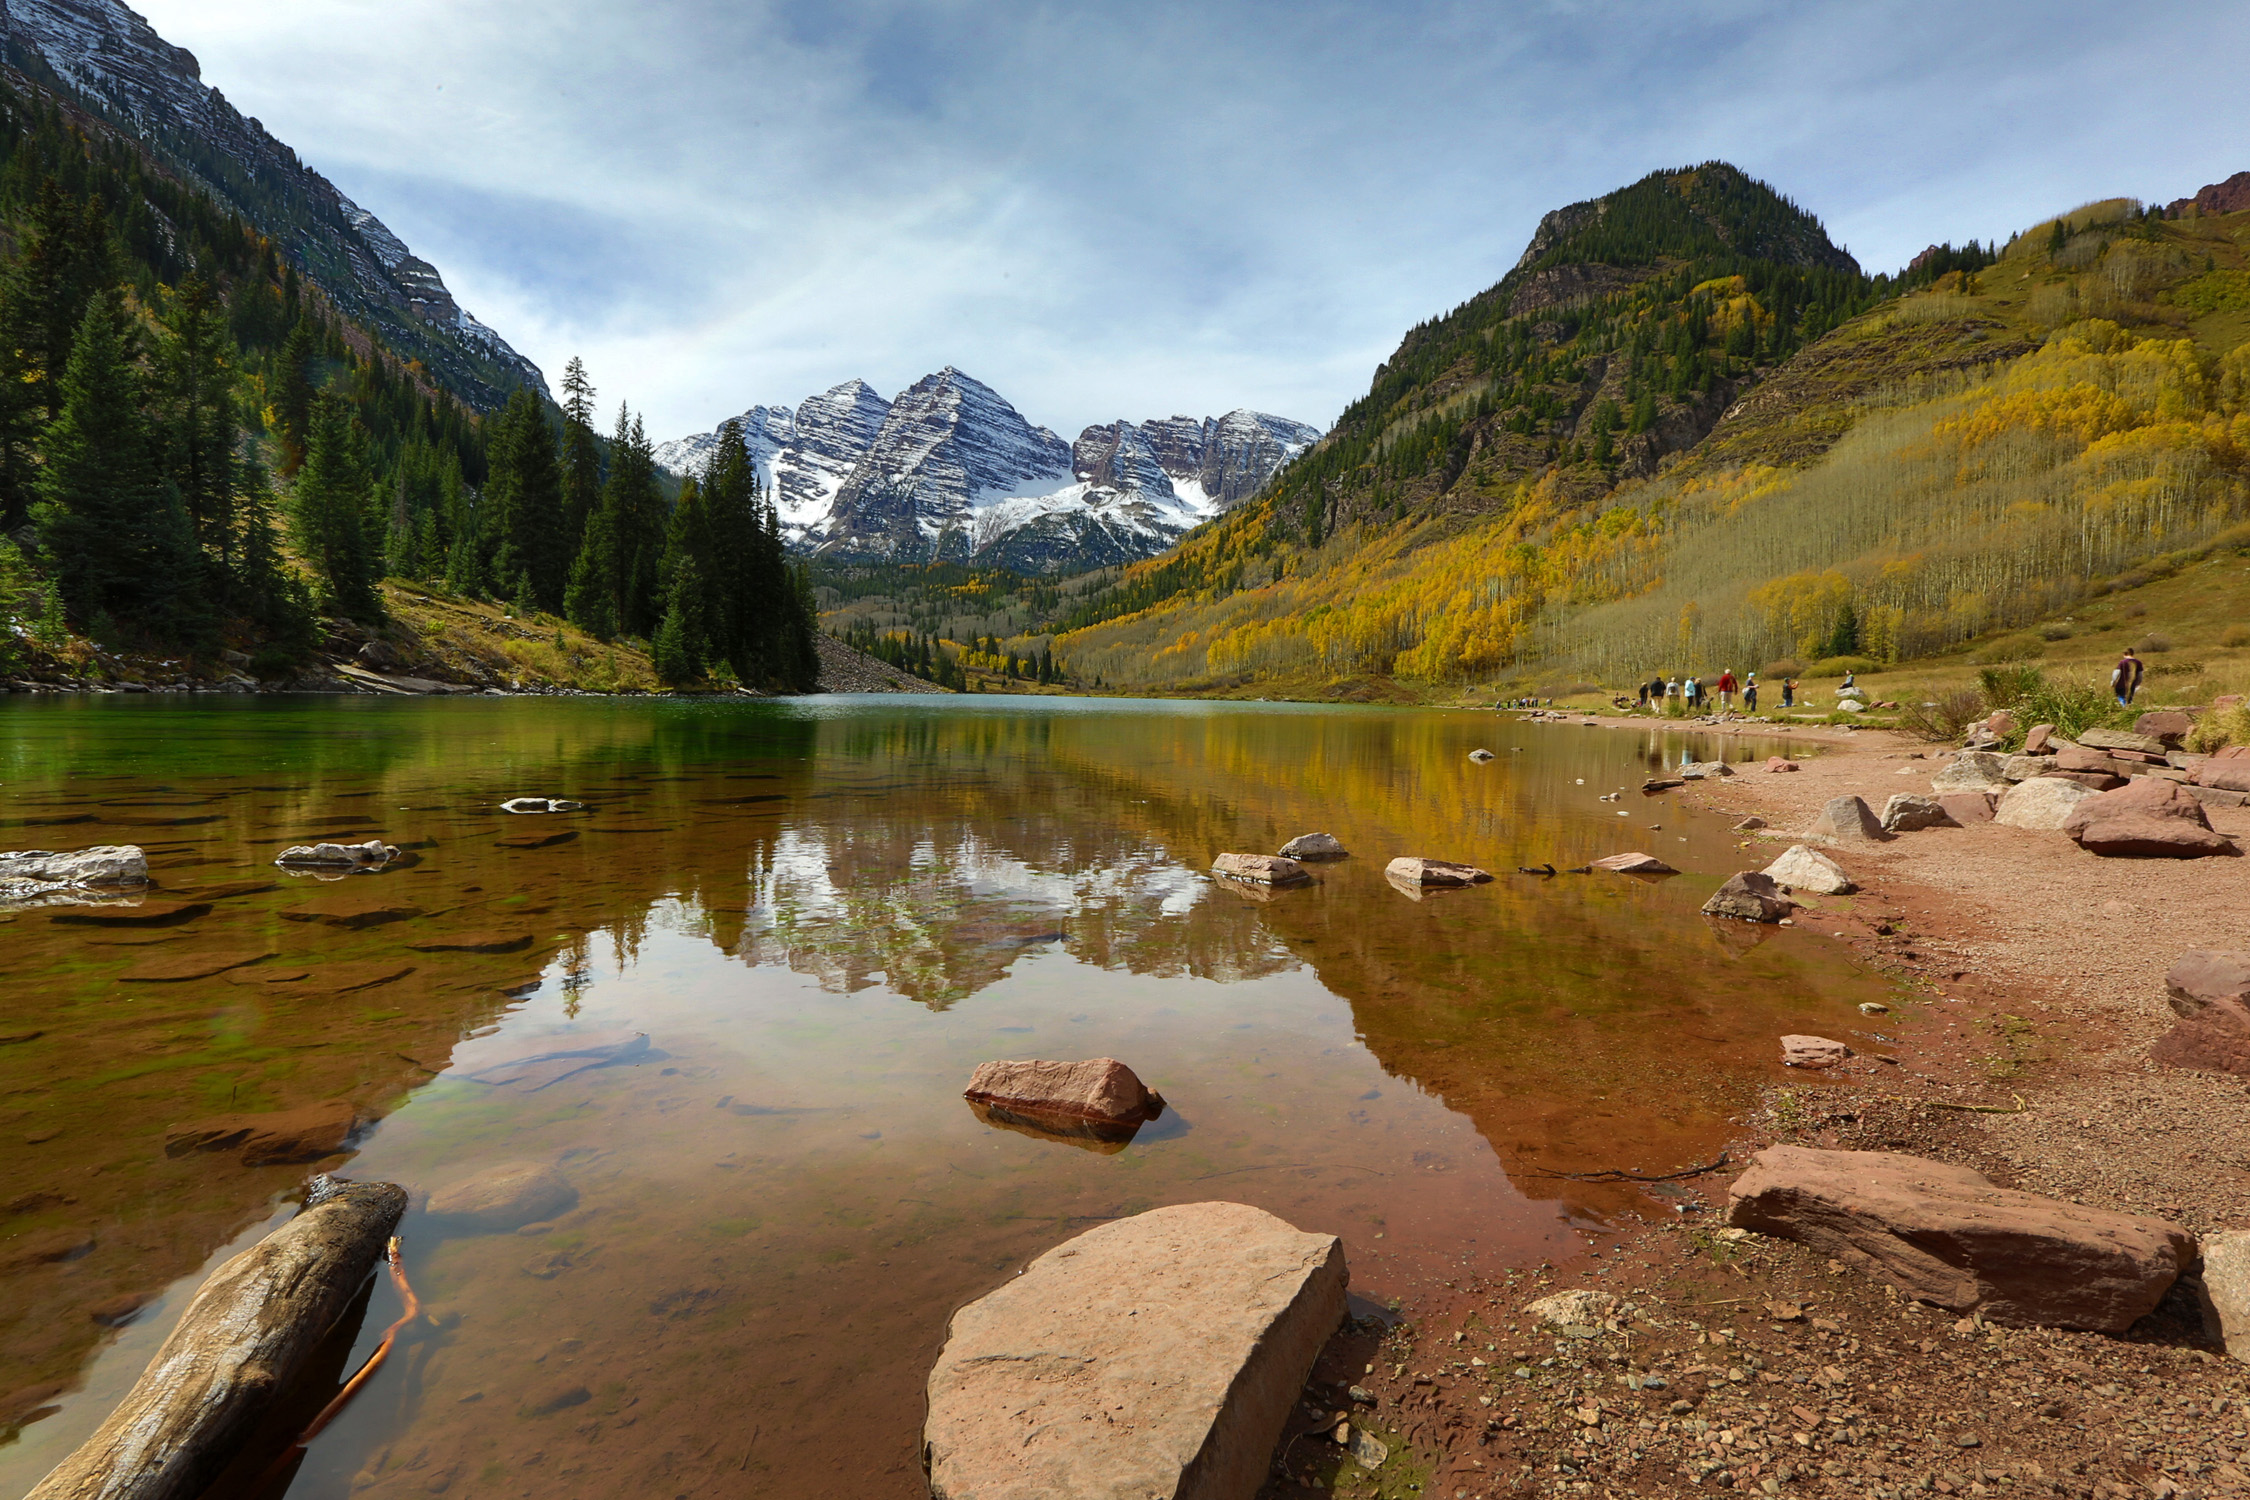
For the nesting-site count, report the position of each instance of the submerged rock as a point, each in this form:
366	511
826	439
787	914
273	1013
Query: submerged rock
1482	755
268	1137
1100	1088
505	1197
1633	864
1262	869
103	864
1314	846
1945	1234
540	805
1159	1355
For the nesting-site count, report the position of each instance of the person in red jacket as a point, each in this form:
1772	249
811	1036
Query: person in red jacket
1726	690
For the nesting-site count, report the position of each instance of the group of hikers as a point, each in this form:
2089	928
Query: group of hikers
1692	695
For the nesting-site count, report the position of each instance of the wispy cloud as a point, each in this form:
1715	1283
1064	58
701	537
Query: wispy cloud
1113	211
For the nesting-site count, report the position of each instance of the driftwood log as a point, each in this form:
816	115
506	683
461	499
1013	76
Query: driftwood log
248	1331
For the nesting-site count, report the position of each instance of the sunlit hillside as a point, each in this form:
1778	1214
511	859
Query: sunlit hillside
1961	460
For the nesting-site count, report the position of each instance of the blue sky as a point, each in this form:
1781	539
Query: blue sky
1136	210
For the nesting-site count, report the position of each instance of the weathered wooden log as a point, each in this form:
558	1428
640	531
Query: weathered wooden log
250	1328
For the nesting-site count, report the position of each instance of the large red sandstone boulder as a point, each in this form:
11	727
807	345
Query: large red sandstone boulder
2211	993
2150	819
2120	739
267	1138
1159	1355
1965	808
2228	773
1812	1052
2166	724
1945	1234
2202	978
2069	757
1100	1088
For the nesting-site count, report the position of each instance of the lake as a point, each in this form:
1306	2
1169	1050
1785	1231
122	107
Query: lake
822	914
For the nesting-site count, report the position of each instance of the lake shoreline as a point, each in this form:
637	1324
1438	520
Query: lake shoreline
1777	1367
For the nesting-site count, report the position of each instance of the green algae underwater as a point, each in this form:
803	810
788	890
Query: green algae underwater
822	914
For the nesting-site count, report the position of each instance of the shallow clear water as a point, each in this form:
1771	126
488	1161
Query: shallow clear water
823	914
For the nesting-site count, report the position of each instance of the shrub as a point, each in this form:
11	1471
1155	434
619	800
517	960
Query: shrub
2134	611
1837	666
2153	643
271	662
2022	647
2213	731
2006	686
1946	718
2056	630
2235	635
1787	666
2072	707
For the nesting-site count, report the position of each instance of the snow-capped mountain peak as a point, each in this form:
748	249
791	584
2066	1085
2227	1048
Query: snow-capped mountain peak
951	470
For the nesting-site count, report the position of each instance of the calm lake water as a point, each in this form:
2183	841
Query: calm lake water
823	914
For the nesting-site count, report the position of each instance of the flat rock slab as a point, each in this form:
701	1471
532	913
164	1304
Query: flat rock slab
352	910
142	914
1634	864
1812	1052
505	1197
371	855
1261	869
1314	846
1414	869
1156	1356
1805	869
2202	978
269	1137
475	942
1100	1088
103	864
1944	1234
175	968
2123	739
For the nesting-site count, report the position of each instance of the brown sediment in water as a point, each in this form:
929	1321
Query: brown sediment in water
909	893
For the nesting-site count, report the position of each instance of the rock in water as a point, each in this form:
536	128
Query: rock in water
1100	1088
1806	869
104	864
2149	819
2226	1290
370	855
505	1197
1416	870
1159	1355
540	805
2042	803
1750	897
1634	864
269	1137
1261	869
1908	813
1482	755
1849	820
1945	1234
1314	846
1812	1052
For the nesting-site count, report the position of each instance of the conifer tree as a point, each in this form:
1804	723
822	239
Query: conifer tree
110	526
272	596
532	556
685	644
581	454
197	422
331	510
293	394
66	257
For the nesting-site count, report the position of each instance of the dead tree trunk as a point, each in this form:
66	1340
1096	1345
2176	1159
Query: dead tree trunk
242	1339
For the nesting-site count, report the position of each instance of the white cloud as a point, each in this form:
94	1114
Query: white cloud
1130	211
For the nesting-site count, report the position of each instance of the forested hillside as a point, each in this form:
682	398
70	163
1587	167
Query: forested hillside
200	453
1777	459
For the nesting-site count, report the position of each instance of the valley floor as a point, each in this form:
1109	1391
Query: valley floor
1778	1372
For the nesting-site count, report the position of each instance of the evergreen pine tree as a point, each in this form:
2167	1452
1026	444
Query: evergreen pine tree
66	257
330	506
113	531
524	495
267	591
293	394
198	425
581	454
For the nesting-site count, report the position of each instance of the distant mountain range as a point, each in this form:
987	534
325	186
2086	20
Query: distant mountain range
112	63
949	470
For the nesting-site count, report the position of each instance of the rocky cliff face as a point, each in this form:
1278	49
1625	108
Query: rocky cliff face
951	470
111	62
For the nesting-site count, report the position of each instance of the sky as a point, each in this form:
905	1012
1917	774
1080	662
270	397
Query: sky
1136	210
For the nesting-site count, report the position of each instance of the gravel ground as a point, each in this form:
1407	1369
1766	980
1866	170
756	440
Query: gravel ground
1744	1363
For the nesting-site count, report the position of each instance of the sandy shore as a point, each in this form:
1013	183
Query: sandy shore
1754	1365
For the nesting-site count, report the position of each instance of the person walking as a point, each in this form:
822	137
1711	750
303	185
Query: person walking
1694	690
1726	690
1788	692
2125	679
1750	693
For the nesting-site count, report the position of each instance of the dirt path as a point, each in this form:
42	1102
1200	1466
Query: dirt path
1738	1362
